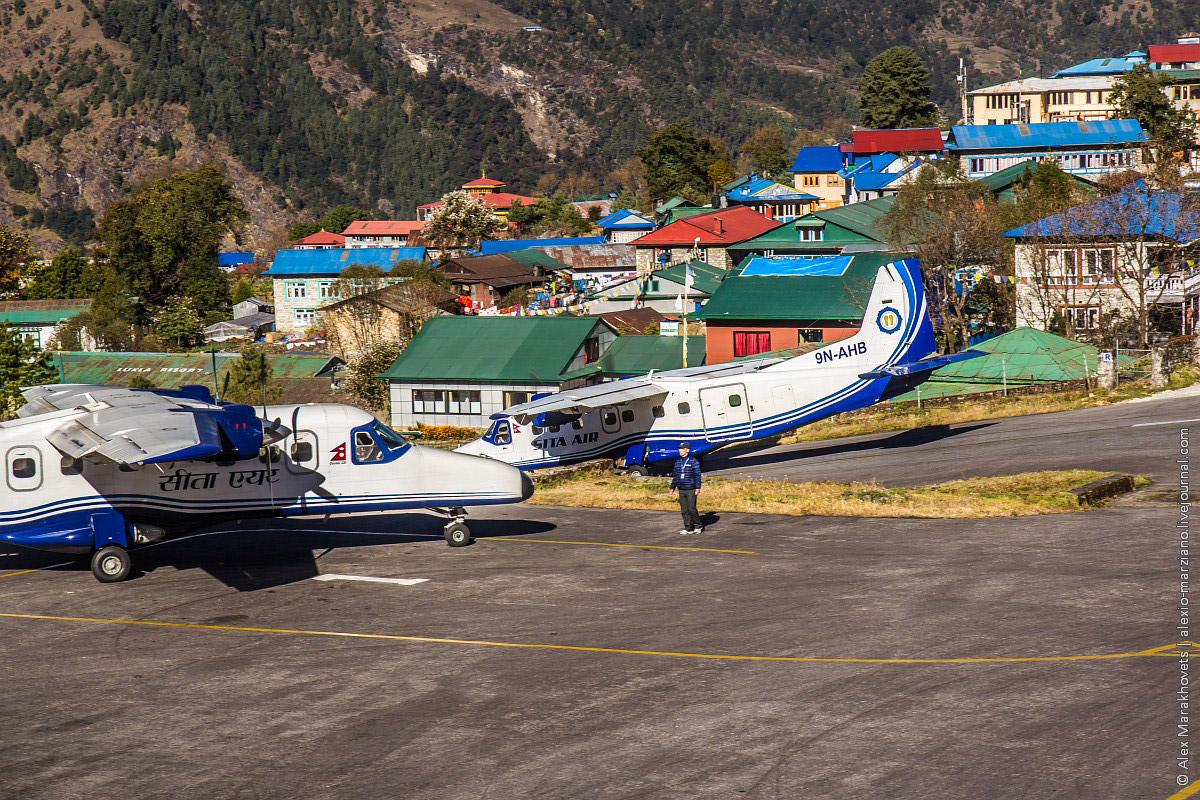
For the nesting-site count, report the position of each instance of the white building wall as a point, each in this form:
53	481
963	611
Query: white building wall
491	401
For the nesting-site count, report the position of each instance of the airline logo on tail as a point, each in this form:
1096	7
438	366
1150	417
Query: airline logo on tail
889	320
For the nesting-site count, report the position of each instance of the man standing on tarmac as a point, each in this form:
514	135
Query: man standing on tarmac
685	477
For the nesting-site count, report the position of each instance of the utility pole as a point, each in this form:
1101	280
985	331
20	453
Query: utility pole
967	116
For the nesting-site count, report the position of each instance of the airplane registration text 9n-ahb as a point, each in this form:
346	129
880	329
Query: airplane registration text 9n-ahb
641	421
101	469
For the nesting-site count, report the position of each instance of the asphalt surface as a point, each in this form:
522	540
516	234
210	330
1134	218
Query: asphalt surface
1113	438
95	704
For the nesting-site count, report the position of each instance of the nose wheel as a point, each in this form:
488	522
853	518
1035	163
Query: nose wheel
456	531
111	564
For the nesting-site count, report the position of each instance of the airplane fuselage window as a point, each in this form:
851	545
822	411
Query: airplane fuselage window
24	468
658	412
685	408
302	452
735	400
577	424
627	415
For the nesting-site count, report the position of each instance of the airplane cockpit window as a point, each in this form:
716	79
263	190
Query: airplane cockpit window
392	440
502	433
366	450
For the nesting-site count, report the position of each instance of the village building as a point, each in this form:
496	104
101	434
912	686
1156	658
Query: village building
445	376
622	227
1122	255
301	378
390	314
847	229
769	198
381	233
40	320
878	175
662	290
1004	184
490	247
230	261
251	318
1184	54
321	240
785	302
1095	147
677	208
591	266
488	190
704	237
481	282
815	171
306	280
912	141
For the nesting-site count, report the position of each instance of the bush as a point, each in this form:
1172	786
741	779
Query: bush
447	433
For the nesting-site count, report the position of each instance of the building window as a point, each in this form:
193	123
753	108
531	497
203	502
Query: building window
750	343
464	402
515	398
591	349
811	335
834	180
328	290
1083	318
811	234
1058	98
429	401
304	316
812	180
295	290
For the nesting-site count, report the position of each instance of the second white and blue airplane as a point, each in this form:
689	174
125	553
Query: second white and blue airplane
640	422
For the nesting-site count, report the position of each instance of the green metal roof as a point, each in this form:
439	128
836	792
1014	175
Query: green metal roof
998	182
858	222
832	297
303	378
635	354
41	312
861	218
537	258
1021	357
513	349
707	277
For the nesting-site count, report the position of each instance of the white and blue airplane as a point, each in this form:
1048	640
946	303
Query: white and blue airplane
101	469
640	422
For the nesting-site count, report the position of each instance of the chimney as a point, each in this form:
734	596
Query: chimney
718	226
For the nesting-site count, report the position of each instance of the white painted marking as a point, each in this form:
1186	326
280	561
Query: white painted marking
1164	422
367	579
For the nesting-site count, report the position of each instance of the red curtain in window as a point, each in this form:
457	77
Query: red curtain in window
750	343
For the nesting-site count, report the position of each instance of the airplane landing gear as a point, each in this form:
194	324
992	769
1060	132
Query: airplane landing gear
456	531
111	564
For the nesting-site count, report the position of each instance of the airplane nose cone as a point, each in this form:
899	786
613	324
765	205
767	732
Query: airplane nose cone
526	487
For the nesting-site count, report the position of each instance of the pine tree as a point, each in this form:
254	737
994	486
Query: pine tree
249	378
61	278
894	91
21	364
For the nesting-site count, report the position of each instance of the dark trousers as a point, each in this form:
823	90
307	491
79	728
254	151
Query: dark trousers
687	507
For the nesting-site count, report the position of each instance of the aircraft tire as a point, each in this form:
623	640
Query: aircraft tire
458	534
638	470
111	564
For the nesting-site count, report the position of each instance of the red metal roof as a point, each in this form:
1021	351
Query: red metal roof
1174	53
383	227
480	183
896	140
725	226
323	237
496	199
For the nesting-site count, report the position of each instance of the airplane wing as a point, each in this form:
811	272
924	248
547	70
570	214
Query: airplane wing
930	363
137	426
585	397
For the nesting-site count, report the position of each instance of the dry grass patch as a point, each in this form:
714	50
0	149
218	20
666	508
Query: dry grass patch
1011	495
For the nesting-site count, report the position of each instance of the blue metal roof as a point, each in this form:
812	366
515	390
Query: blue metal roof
866	180
626	220
333	260
1131	212
1046	134
818	158
796	265
757	189
492	247
1104	66
233	259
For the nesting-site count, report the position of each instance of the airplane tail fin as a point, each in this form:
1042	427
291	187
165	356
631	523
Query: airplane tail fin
895	327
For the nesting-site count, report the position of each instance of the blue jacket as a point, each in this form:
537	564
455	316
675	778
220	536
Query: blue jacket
686	474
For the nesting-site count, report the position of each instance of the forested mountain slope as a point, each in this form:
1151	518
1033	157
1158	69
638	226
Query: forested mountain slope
388	104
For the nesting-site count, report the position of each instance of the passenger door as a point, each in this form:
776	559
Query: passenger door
726	411
304	454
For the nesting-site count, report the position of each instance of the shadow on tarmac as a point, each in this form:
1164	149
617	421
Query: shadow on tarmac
262	554
909	438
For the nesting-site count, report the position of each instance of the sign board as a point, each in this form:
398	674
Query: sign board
1105	357
668	328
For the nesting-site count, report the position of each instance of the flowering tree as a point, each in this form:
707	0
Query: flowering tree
461	222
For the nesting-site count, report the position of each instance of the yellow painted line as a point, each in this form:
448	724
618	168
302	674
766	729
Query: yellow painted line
580	648
22	572
1186	791
615	544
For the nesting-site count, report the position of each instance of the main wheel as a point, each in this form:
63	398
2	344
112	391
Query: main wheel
458	534
638	470
111	564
